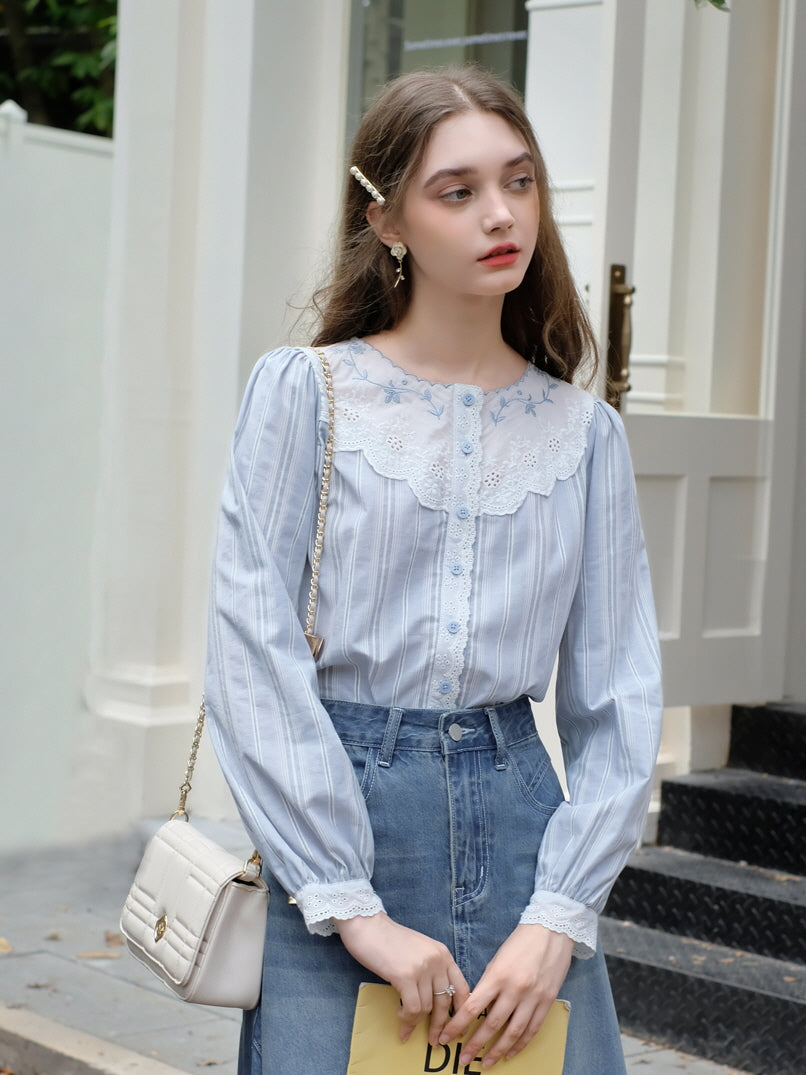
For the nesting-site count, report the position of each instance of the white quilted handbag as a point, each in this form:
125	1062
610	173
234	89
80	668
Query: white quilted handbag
196	917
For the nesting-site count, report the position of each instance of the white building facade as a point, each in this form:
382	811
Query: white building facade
142	279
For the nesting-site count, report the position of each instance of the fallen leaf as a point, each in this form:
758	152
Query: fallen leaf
50	937
98	955
5	948
114	940
787	978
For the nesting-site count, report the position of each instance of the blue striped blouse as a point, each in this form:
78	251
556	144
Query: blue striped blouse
472	537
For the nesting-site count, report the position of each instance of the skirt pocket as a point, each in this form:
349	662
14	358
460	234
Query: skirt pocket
535	775
364	760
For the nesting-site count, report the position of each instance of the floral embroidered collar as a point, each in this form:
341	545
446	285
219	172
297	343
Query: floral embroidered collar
522	438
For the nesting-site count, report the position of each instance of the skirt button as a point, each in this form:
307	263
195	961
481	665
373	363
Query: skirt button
455	732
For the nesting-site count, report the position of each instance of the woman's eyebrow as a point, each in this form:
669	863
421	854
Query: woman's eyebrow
463	170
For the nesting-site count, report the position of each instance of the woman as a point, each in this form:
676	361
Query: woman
482	521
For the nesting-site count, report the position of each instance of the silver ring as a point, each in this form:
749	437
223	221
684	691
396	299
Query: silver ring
446	992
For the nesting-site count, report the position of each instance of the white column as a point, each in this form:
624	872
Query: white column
227	147
138	691
656	372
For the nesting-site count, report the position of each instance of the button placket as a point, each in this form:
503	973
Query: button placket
462	515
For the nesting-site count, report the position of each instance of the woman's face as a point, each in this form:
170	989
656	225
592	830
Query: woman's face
471	213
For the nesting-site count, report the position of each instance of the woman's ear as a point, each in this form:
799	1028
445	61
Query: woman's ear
380	223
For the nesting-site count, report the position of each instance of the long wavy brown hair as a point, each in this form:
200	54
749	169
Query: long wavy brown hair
543	319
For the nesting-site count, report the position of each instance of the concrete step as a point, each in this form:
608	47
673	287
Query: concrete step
717	1002
33	1045
728	903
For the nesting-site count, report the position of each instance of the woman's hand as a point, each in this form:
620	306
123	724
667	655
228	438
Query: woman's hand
419	968
517	989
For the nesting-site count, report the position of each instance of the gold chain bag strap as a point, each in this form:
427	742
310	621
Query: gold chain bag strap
195	915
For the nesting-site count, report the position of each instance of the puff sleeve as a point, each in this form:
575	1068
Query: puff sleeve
289	774
608	700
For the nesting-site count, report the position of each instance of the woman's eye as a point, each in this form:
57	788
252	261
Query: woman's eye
458	195
522	182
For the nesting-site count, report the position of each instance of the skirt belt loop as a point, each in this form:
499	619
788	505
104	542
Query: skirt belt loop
390	737
500	743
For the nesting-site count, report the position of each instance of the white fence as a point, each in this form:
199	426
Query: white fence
55	191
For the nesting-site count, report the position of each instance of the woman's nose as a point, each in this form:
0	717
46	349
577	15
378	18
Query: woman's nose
497	212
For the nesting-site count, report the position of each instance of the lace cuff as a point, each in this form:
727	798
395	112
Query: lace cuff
562	915
320	904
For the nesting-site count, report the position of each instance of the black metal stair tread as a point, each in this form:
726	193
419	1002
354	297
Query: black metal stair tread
746	783
737	814
770	739
701	959
757	909
740	877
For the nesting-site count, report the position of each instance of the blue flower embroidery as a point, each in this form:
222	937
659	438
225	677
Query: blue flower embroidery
394	392
529	403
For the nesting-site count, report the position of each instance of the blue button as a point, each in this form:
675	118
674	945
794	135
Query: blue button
463	512
468	399
445	687
466	448
454	627
457	569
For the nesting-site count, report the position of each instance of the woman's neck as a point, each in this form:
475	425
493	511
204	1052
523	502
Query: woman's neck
453	345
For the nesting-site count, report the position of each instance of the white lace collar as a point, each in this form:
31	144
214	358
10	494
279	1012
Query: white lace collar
522	438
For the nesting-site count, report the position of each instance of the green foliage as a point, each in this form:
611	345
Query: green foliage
720	5
63	56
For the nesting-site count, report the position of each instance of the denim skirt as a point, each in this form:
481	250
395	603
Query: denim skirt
458	802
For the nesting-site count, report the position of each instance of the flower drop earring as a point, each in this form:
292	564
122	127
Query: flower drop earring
399	250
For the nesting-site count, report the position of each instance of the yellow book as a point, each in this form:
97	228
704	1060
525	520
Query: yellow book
376	1049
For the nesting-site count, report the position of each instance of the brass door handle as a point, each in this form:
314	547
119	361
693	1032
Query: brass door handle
619	335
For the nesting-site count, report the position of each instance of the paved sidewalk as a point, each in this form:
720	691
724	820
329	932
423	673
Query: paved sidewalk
73	1002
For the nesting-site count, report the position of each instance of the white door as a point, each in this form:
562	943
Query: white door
633	102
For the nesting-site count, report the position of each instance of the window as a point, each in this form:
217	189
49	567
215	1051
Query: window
390	37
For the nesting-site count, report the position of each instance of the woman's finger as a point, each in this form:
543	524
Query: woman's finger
422	996
515	1031
440	1014
447	1001
466	1012
535	1024
497	1020
411	1009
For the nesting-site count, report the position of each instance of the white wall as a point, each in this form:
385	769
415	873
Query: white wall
54	222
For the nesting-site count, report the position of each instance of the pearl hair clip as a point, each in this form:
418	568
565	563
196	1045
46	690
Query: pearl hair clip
368	187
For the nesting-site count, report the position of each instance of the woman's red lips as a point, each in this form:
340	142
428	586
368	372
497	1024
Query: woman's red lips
505	254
